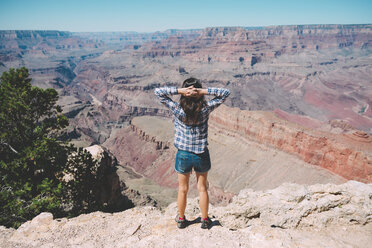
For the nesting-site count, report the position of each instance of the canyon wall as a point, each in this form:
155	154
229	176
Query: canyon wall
134	40
248	45
47	40
348	155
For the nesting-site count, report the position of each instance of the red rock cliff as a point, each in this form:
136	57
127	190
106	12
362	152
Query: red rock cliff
348	155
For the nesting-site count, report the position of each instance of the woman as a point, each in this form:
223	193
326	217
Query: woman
191	139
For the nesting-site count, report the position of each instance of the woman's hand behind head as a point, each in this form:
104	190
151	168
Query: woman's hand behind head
190	92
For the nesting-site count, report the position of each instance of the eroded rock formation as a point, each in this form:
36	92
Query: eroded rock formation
160	145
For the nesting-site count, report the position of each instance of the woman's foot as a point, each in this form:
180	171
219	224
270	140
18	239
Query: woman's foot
181	222
206	222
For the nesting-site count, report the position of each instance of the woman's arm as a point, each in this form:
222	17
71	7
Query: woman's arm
163	94
220	96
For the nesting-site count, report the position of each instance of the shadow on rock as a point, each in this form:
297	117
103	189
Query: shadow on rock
198	221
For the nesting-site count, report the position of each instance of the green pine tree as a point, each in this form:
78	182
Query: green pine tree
33	160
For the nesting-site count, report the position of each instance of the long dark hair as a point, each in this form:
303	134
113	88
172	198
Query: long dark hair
192	105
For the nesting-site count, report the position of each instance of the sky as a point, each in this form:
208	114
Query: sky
151	16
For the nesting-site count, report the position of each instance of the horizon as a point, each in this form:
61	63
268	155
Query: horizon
160	31
158	16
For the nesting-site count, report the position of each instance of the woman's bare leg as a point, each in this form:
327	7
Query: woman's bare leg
183	188
203	193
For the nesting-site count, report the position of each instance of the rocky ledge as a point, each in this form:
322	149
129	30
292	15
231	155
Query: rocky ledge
321	215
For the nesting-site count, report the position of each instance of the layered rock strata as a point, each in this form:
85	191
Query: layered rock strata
348	155
253	45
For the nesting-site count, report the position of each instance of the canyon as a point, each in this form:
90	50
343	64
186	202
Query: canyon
299	109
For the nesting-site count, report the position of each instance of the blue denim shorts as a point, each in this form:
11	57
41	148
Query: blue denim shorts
185	161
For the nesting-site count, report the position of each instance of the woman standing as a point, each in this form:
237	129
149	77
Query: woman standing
191	116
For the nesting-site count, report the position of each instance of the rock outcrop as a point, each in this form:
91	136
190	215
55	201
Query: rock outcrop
160	145
293	206
288	216
110	189
113	192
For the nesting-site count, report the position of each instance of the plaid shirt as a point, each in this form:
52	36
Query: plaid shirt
192	138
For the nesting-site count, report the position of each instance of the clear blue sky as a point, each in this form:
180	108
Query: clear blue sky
149	16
